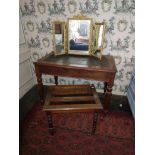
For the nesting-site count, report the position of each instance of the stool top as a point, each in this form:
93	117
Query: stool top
72	98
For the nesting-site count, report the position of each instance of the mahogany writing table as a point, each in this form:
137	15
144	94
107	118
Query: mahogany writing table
77	66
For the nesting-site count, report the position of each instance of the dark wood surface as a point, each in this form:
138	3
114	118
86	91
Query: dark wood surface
85	67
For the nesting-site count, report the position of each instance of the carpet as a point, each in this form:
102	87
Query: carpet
114	134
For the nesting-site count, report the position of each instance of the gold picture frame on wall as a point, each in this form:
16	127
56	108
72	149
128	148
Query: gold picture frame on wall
79	35
98	39
59	37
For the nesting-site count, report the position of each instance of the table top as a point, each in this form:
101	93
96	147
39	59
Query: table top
79	61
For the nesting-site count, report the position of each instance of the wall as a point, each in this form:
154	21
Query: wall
37	15
26	80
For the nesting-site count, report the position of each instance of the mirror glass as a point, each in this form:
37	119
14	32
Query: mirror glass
59	37
98	39
79	35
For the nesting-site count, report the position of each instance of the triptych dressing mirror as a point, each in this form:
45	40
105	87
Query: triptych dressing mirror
79	36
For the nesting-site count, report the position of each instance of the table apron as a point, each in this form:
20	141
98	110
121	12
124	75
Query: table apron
78	73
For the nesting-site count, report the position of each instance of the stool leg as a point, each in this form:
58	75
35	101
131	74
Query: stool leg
50	123
95	116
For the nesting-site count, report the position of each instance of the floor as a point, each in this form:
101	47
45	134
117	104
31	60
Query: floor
114	134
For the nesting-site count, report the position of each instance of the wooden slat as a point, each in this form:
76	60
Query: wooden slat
70	86
72	99
72	107
70	90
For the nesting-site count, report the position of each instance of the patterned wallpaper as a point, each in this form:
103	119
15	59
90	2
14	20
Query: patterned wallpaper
37	15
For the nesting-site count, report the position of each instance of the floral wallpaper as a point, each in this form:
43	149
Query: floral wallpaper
119	15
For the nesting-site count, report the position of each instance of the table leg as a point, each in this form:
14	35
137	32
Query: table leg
50	123
105	87
40	85
108	95
56	80
95	116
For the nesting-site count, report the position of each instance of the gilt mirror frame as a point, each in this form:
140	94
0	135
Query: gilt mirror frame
98	39
62	45
87	43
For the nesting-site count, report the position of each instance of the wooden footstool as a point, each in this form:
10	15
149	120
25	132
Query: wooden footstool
71	98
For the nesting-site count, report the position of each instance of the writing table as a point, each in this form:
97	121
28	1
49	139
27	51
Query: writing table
77	66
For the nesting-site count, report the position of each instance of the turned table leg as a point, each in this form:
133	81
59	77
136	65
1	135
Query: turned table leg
105	87
56	80
40	86
108	95
95	116
50	123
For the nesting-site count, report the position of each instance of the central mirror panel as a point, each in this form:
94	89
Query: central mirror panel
79	36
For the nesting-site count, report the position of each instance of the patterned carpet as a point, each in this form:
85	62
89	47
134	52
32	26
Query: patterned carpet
114	134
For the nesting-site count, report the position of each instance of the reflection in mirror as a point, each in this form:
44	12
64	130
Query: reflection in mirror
98	39
59	41
79	36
